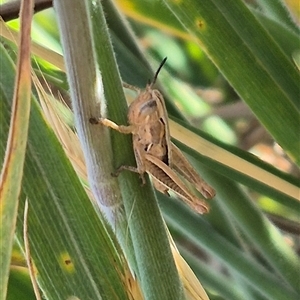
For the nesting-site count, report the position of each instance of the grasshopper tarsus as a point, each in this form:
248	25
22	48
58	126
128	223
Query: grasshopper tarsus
131	169
114	174
142	176
94	121
97	121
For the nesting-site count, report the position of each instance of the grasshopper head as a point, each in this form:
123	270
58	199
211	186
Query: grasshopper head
147	104
142	108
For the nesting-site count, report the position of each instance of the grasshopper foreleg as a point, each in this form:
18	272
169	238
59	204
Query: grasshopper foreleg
108	123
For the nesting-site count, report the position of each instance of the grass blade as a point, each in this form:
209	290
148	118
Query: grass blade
12	169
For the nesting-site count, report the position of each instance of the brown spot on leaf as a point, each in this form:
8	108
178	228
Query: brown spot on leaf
200	24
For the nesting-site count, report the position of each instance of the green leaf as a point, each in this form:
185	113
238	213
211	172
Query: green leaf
235	41
19	285
149	254
12	168
65	232
237	164
235	243
278	11
204	236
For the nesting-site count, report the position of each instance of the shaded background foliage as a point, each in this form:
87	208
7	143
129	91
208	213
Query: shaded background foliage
237	241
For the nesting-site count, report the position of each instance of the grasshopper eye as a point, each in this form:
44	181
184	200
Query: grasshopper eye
148	107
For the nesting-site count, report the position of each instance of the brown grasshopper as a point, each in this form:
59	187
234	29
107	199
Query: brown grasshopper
154	151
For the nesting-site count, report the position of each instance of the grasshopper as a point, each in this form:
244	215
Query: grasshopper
154	151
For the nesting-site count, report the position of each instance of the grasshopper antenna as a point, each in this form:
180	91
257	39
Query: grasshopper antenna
157	72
